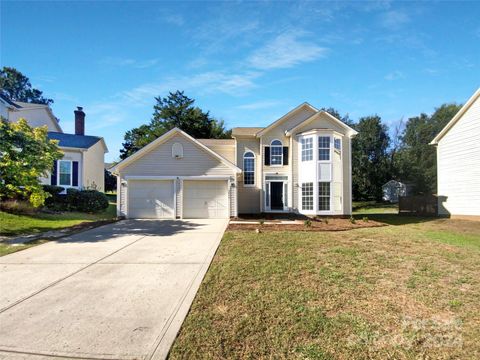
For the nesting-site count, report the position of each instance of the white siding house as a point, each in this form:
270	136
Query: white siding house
458	162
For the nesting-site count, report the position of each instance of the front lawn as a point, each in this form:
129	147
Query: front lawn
13	224
405	291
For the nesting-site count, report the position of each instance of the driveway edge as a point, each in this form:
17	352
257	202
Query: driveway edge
167	337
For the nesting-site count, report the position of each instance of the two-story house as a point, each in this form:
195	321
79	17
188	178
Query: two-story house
82	164
301	163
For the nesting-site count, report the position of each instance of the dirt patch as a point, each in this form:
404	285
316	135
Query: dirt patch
335	224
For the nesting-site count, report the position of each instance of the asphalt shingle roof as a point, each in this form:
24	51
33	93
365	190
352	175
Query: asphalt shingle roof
72	140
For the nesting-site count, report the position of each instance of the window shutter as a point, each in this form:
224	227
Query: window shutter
285	155
74	173
267	155
53	176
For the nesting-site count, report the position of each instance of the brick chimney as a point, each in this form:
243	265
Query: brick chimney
79	121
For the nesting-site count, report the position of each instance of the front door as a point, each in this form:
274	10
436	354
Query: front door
276	195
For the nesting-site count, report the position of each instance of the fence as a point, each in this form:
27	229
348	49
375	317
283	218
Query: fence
420	205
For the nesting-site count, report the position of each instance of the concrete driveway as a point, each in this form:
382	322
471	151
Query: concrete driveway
120	291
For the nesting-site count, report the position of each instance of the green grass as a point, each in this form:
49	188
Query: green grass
6	249
372	207
391	292
13	224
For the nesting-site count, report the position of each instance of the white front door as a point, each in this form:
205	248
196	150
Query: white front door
150	199
205	199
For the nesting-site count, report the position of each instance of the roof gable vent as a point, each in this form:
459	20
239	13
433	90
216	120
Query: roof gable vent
177	151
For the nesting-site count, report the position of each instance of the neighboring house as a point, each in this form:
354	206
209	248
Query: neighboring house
458	162
393	189
301	163
82	165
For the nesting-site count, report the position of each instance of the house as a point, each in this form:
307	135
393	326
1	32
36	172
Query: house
301	163
458	162
82	164
393	189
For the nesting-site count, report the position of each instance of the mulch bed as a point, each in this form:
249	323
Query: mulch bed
334	224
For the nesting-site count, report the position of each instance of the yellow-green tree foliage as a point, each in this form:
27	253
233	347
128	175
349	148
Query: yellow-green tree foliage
26	154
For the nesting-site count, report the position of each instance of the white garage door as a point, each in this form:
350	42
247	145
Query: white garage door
150	199
205	199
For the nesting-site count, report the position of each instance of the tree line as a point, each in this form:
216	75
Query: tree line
379	154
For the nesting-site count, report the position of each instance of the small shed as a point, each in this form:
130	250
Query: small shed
393	189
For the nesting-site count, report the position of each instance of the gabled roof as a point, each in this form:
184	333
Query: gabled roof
351	132
305	105
457	117
217	142
163	139
75	141
8	102
246	131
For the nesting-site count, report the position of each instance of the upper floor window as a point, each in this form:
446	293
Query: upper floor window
65	173
276	152
337	144
249	168
307	149
324	148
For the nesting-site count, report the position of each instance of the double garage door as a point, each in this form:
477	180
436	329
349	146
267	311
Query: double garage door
155	199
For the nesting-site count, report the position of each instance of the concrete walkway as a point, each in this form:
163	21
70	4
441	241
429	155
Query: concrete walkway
120	291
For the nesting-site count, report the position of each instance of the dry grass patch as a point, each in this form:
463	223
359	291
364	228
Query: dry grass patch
393	292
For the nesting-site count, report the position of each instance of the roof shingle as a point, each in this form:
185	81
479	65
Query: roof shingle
74	141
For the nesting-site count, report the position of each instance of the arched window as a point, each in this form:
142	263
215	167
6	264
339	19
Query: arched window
276	152
249	168
177	151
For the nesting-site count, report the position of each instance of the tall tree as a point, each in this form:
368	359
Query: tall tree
369	158
26	154
416	158
175	110
17	87
335	113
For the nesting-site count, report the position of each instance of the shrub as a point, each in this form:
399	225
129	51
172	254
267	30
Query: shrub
261	221
365	219
88	200
76	200
17	207
326	220
307	223
352	220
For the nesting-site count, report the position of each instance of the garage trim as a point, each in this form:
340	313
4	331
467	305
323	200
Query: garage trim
227	178
153	178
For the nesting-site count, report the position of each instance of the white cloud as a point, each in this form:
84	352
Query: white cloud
207	82
286	50
121	62
259	105
394	75
394	19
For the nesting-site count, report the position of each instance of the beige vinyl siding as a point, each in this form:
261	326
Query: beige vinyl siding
159	161
226	151
459	166
35	117
93	167
249	197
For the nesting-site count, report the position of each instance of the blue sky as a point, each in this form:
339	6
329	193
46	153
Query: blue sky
246	62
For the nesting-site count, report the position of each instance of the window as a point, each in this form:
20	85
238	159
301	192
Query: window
323	196
307	149
248	168
65	173
337	145
276	153
324	148
307	196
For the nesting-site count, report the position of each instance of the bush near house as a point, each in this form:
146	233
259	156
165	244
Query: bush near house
90	201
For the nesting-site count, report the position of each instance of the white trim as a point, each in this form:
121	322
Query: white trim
71	174
457	117
266	183
281	154
279	121
254	168
205	177
148	177
164	138
351	132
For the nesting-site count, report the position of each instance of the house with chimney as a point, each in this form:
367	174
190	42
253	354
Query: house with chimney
82	164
